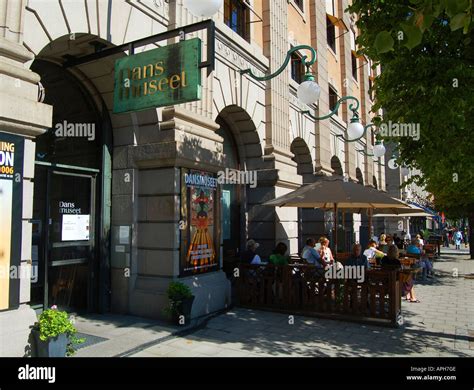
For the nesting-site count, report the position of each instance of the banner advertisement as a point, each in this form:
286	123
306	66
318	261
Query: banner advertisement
201	253
11	194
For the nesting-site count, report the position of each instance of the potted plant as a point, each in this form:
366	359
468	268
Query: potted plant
55	334
181	301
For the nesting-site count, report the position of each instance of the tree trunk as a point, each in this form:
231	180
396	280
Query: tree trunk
471	234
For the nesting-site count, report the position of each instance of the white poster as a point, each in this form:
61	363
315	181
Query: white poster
75	227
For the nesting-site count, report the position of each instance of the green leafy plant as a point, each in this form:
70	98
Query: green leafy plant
177	292
52	323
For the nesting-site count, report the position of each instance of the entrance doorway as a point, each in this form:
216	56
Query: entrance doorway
64	242
232	218
71	206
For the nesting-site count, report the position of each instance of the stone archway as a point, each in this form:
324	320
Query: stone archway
118	172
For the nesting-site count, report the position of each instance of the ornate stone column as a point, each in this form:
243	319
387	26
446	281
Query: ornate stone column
20	114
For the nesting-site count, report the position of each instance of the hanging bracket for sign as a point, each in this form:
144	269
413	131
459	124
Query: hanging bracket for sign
181	32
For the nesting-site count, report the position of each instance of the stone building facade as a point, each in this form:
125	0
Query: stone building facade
134	167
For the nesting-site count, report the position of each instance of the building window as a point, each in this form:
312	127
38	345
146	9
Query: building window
331	34
333	98
300	4
237	17
354	66
330	7
297	68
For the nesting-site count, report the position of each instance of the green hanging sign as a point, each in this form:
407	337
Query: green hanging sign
160	77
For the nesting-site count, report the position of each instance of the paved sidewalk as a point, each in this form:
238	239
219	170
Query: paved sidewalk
441	325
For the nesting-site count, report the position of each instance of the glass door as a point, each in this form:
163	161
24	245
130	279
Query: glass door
63	244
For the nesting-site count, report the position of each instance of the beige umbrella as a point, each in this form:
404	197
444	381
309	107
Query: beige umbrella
333	192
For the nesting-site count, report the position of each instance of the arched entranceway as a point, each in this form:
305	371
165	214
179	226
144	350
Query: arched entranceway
68	202
231	195
241	152
310	220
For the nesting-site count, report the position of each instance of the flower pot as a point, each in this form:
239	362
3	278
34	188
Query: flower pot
184	309
53	347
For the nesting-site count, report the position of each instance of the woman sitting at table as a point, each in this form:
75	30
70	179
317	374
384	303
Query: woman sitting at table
391	262
372	252
279	256
388	241
325	252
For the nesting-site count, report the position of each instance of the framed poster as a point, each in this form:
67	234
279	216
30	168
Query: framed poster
199	249
11	195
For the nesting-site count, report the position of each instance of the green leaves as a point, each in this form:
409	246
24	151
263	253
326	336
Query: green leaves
458	21
414	35
384	42
427	80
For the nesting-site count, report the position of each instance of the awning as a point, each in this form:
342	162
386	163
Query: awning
432	213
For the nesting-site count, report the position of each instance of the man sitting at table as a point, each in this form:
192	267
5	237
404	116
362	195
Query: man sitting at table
414	247
357	258
311	255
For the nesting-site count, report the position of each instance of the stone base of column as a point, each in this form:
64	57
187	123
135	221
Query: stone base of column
15	340
212	293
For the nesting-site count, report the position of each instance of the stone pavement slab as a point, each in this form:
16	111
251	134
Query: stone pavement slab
441	325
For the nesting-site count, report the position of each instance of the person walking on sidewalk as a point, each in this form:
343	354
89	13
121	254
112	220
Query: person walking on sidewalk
457	238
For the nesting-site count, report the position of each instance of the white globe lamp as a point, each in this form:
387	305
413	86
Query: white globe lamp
379	149
308	91
355	130
203	8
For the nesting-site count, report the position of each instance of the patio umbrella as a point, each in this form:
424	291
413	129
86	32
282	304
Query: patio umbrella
333	192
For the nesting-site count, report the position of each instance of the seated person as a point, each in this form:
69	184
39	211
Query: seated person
249	256
391	259
279	255
420	239
426	265
388	240
311	255
357	258
372	252
414	247
319	243
397	241
325	252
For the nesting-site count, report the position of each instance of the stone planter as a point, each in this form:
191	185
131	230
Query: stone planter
54	347
184	309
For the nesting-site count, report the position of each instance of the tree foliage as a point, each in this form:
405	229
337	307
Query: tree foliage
427	78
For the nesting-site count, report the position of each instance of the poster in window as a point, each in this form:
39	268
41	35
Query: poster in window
201	255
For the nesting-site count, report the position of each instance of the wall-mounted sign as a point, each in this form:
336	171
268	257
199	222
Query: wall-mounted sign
160	77
200	248
11	190
75	227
